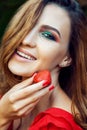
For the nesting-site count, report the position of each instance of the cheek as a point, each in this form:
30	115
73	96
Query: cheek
56	56
50	56
52	52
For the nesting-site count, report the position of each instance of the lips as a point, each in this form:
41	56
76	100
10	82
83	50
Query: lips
25	54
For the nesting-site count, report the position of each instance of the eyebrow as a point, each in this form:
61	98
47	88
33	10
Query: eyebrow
51	28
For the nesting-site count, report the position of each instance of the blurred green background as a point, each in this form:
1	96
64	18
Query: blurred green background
8	8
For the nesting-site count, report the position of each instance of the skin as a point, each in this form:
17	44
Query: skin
48	54
41	47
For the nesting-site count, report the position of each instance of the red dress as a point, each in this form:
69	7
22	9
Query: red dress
53	119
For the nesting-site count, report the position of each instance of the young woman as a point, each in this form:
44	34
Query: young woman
44	35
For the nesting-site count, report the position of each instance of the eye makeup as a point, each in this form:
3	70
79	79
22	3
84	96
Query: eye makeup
49	33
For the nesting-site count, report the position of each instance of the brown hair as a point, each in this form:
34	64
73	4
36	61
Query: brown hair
23	21
74	76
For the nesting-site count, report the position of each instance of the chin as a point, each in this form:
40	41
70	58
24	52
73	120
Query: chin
20	72
15	71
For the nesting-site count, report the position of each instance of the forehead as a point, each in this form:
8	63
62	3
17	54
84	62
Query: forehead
53	14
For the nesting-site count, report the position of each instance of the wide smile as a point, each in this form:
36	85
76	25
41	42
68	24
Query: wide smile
25	55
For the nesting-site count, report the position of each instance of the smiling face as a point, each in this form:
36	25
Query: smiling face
45	46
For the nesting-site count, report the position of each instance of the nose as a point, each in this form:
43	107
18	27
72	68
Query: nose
30	39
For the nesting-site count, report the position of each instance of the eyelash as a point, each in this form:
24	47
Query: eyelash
48	35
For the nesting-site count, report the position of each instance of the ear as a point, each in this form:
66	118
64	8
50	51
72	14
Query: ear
66	61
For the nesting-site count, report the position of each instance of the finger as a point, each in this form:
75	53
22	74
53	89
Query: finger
26	92
33	98
18	111
29	108
24	83
39	94
25	105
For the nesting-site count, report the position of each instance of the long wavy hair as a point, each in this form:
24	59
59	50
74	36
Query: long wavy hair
73	79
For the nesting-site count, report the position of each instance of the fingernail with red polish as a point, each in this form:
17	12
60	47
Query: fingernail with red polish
51	88
34	74
45	84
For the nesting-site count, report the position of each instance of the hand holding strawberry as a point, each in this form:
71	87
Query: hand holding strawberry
43	75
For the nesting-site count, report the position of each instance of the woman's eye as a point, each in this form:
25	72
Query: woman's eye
48	35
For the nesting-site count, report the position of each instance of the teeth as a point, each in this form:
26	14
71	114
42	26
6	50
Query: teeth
24	55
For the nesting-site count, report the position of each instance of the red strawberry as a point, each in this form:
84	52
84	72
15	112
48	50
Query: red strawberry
43	75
